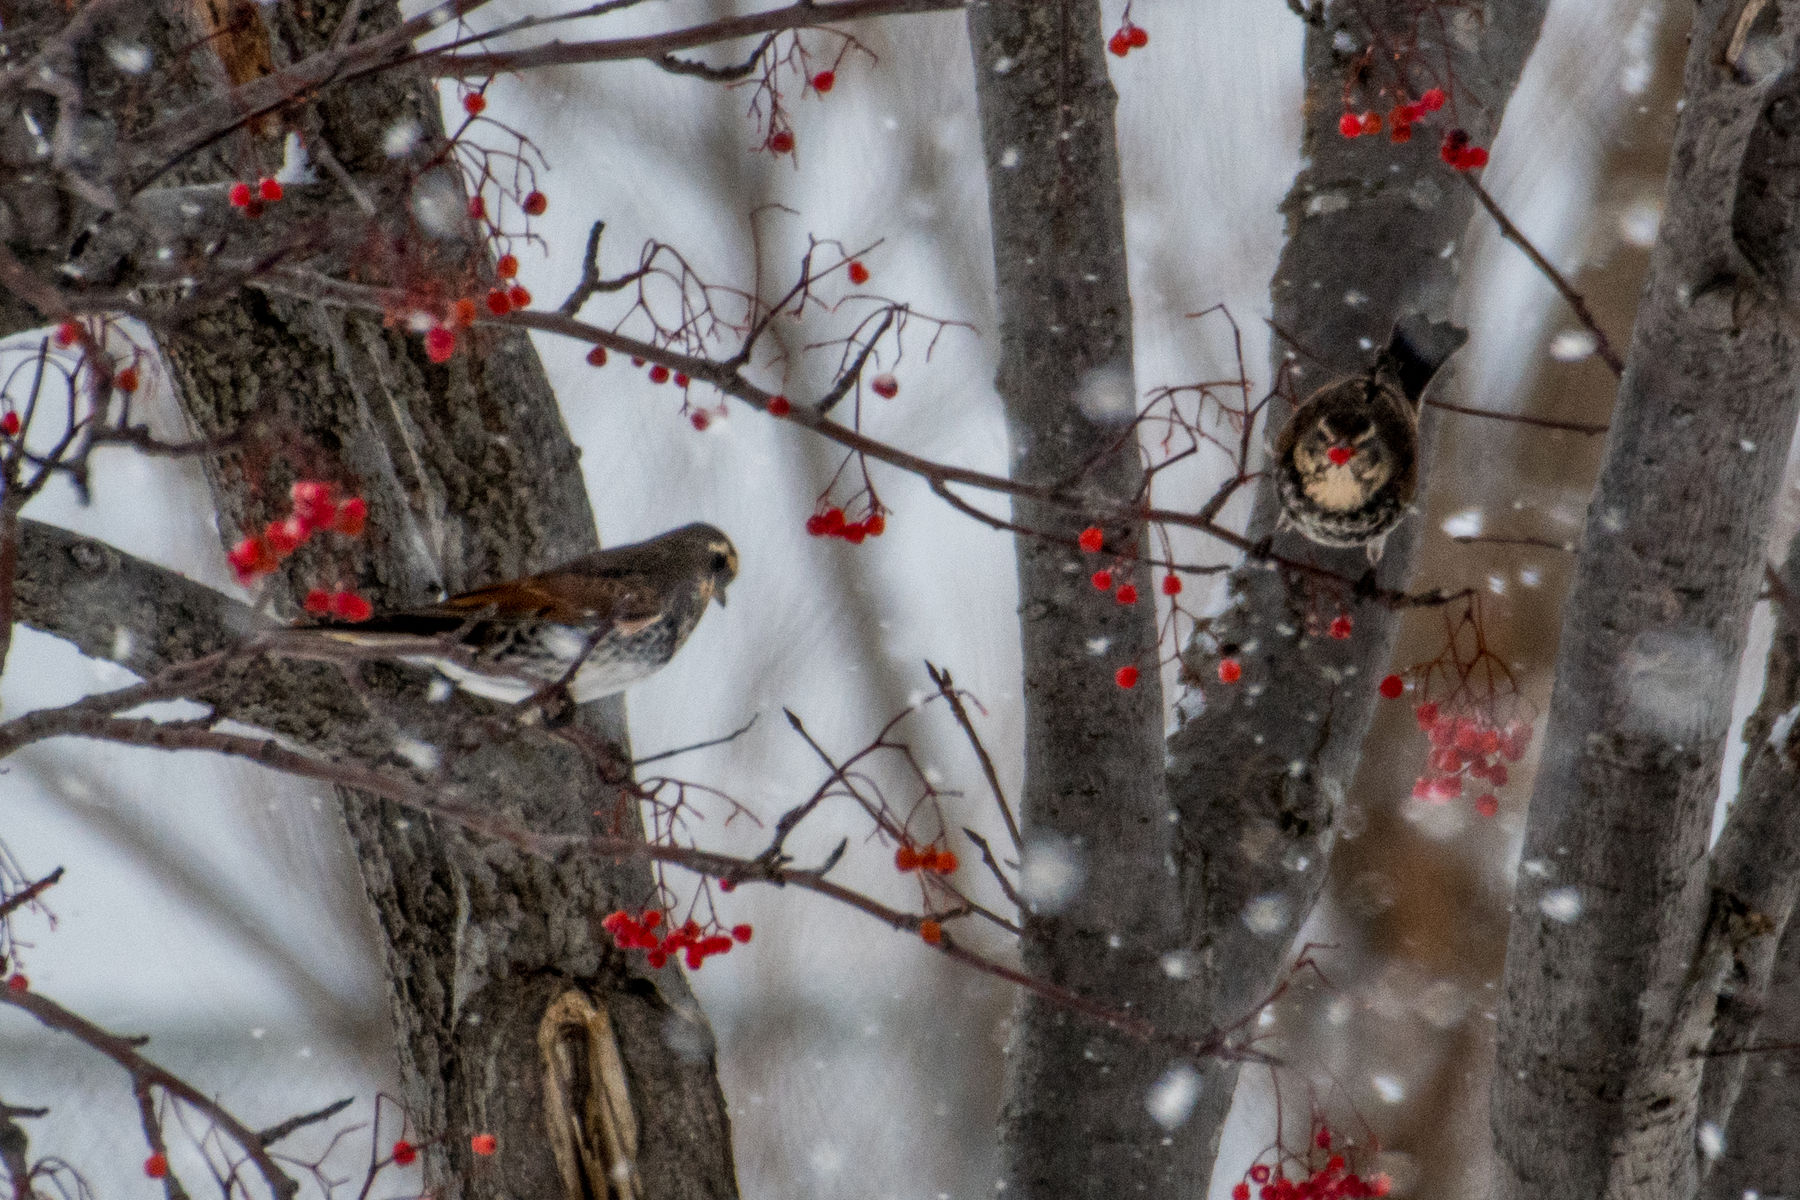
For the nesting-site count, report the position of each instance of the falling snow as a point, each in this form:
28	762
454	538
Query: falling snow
1172	1097
1267	915
1050	873
1466	523
1561	904
1573	345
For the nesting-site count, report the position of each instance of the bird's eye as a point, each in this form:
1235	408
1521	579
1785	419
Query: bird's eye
720	562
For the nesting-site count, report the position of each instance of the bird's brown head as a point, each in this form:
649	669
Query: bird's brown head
711	555
1341	457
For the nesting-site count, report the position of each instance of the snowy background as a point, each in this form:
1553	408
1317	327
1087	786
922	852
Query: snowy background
213	906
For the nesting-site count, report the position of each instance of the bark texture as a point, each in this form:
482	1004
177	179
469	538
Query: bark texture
469	475
1611	979
1258	776
1074	1121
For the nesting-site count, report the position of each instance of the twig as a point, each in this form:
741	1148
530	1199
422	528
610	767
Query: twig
947	689
1513	234
29	895
275	1133
1519	418
993	865
733	736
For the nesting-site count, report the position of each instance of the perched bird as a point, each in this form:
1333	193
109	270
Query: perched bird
1346	463
598	623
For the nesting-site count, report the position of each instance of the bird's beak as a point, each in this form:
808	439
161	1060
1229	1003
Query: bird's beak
719	595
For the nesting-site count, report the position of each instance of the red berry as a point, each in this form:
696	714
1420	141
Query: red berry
815	525
1230	670
240	195
17	982
534	204
727	885
854	533
1473	157
348	606
1102	580
885	386
834	521
462	313
518	297
1240	1191
1339	455
1260	1173
440	344
1371	122
483	1144
1138	36
1340	626
1487	805
699	420
1426	714
67	333
506	266
1432	100
681	379
126	380
740	933
931	931
1322	1139
945	862
286	536
1392	686
823	81
317	602
858	273
1127	595
1126	677
474	104
1119	44
906	859
1171	585
1400	133
477	208
596	356
779	406
156	1166
9	424
659	374
781	142
269	189
352	515
1090	539
404	1153
657	958
1350	125
876	524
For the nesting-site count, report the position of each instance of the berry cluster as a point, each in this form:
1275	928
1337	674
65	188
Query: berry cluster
1126	38
316	509
1399	121
251	200
1457	151
930	858
692	942
832	523
1467	744
1330	1180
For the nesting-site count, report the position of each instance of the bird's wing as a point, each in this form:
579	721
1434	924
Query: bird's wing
625	600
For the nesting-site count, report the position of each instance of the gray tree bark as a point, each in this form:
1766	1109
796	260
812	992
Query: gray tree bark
1259	775
470	476
1603	1016
1074	1121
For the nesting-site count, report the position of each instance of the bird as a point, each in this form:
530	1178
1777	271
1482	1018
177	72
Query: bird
594	625
1347	461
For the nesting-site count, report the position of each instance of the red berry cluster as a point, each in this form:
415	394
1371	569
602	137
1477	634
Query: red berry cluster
1468	744
832	523
1126	38
1457	151
1331	1180
1399	121
1103	581
316	509
929	858
693	943
267	191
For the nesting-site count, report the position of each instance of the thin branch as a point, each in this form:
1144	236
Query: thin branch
1519	418
947	689
1577	304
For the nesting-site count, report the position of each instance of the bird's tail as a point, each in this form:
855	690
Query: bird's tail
1418	348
